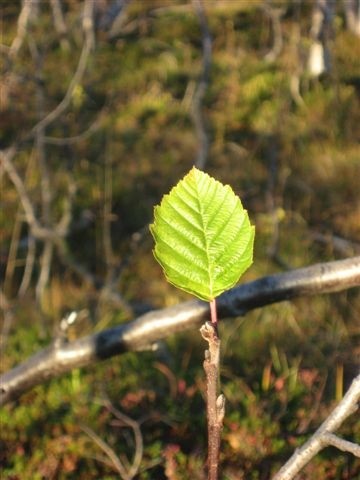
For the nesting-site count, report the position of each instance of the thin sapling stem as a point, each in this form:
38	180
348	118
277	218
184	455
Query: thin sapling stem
213	313
186	222
215	402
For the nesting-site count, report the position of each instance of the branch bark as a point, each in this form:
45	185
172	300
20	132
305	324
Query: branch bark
142	333
323	436
215	404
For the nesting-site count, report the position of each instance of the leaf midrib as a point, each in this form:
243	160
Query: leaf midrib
205	236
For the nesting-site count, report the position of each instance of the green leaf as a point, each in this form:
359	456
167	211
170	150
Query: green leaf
203	237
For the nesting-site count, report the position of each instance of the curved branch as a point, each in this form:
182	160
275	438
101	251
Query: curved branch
115	460
76	138
61	357
39	231
323	436
79	72
6	159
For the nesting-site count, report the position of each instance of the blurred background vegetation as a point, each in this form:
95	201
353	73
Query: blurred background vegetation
146	102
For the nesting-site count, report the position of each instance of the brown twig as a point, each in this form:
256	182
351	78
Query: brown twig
215	403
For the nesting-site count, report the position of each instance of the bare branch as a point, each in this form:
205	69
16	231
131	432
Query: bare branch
297	68
13	251
45	264
274	15
6	157
294	85
88	23
59	23
76	138
29	266
40	232
28	12
79	73
8	320
338	244
115	460
109	257
321	438
143	332
45	183
114	19
274	199
202	86
134	425
342	444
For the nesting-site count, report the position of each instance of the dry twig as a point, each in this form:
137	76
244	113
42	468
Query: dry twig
324	435
215	403
115	460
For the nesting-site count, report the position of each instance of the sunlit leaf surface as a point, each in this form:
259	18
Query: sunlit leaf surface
203	237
